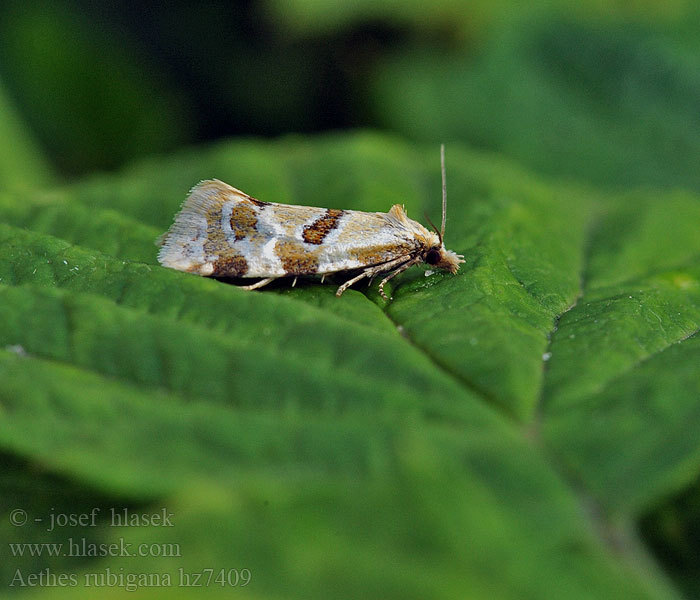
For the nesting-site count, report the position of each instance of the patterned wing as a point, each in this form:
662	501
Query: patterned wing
223	232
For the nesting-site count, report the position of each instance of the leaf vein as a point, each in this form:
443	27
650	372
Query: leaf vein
533	428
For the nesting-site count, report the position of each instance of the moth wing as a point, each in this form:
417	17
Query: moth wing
364	239
303	240
222	231
195	242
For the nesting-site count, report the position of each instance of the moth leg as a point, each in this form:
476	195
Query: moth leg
257	284
394	273
347	284
372	272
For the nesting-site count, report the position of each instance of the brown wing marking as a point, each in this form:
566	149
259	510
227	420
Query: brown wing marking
296	259
243	220
321	227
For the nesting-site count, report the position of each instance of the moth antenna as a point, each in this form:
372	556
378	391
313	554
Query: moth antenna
444	192
427	218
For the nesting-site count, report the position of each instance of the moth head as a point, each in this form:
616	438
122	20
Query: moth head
437	255
440	257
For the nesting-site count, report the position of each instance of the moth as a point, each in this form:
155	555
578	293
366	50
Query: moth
222	232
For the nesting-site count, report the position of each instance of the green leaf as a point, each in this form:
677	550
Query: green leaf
498	433
92	95
318	17
613	103
633	336
22	165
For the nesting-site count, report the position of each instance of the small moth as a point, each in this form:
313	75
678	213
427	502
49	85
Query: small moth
223	232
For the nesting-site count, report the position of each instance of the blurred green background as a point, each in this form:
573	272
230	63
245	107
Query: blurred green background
601	91
606	94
